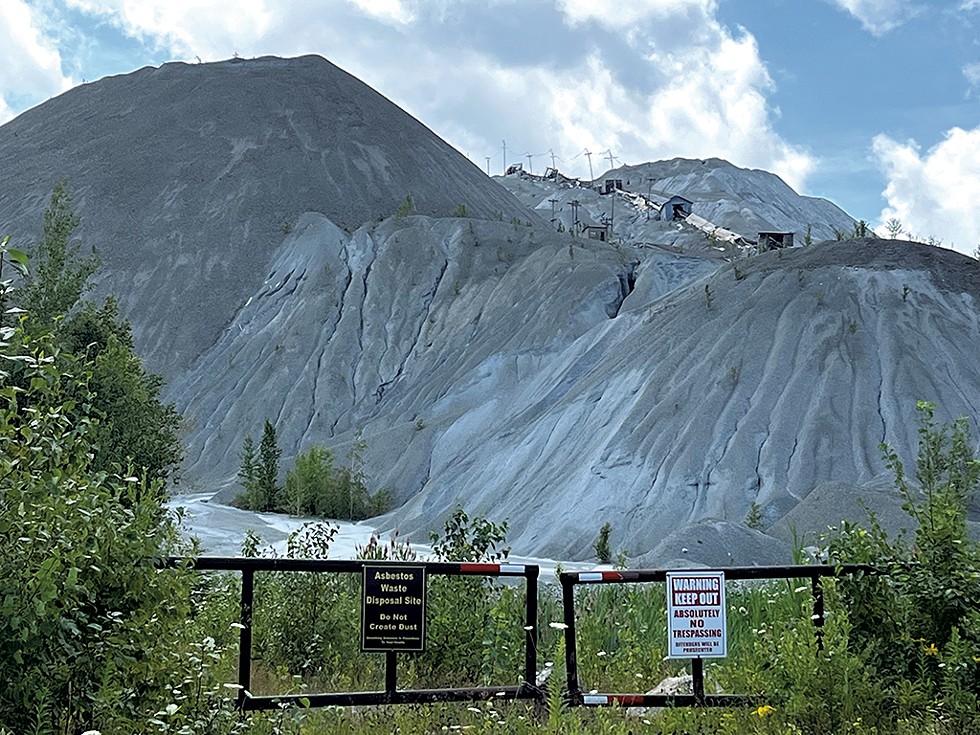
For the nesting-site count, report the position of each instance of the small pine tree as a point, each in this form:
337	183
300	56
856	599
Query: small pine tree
603	551
754	518
267	472
248	473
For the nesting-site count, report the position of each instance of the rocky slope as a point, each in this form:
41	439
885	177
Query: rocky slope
188	176
742	201
531	375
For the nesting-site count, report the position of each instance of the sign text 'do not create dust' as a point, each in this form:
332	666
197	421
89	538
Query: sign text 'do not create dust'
393	608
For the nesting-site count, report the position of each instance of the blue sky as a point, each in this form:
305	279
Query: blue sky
874	104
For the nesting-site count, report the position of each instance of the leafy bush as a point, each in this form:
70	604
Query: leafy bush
406	208
918	624
87	621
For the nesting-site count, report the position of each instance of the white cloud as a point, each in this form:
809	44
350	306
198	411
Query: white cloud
622	15
646	79
387	10
879	16
935	194
189	28
31	67
972	73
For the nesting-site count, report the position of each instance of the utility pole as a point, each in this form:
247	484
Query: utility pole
588	155
553	157
504	142
612	212
529	156
488	164
553	203
574	203
611	158
612	205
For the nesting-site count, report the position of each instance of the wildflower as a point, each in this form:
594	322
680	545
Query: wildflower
930	650
557	626
765	710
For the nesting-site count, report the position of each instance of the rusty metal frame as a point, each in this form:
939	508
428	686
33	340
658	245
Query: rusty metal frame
698	698
248	566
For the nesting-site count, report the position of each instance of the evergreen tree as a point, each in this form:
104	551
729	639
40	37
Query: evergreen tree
248	474
267	473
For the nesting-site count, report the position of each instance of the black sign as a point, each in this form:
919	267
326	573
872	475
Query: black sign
393	608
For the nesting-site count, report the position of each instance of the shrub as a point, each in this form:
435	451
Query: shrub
406	208
601	547
88	623
919	622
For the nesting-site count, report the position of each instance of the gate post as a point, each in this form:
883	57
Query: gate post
245	636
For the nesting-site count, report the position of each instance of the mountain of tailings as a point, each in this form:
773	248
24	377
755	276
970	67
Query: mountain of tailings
559	383
188	176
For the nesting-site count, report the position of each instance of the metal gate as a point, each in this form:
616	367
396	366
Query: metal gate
248	566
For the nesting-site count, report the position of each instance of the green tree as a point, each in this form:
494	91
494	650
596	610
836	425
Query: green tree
248	472
92	634
267	476
310	483
259	473
59	273
134	426
755	518
317	487
601	547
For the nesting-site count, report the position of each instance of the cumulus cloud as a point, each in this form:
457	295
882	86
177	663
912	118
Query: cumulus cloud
624	15
31	68
646	79
879	16
934	194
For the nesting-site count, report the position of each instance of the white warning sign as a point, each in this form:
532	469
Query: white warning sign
696	623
